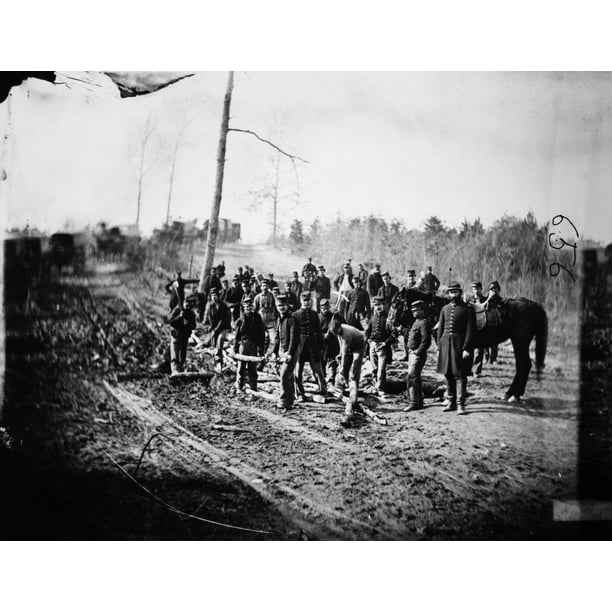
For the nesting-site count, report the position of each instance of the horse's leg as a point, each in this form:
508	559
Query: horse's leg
523	366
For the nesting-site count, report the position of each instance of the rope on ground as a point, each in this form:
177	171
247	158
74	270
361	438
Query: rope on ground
171	507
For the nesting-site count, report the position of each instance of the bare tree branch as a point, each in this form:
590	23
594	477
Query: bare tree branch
291	157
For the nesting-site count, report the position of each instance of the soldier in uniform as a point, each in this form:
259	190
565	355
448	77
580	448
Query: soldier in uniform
456	335
246	291
296	286
212	281
265	304
375	281
308	270
331	347
362	273
353	348
429	283
271	282
379	333
478	297
182	321
249	340
493	304
419	340
292	299
343	283
310	346
286	349
412	281
224	289
359	307
387	292
176	289
219	320
233	297
321	288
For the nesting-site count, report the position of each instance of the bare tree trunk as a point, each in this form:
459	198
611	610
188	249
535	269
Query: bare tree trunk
275	201
171	184
213	225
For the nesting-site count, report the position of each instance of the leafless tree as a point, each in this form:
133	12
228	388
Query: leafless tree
145	160
213	226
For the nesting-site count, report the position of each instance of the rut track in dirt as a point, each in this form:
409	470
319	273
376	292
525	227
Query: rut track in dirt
423	476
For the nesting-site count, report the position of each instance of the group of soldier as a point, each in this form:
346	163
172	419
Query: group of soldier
297	323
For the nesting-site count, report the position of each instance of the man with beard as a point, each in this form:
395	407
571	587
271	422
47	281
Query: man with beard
419	340
249	341
456	335
359	308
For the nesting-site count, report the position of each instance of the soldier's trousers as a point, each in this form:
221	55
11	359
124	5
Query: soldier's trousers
413	379
451	390
351	371
287	374
379	356
178	354
478	359
247	369
306	352
219	344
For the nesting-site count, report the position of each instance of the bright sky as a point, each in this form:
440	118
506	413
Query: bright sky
398	145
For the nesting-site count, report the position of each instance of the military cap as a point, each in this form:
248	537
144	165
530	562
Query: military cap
386	274
270	274
417	304
495	286
322	268
324	301
410	272
191	300
214	291
247	300
378	300
281	299
265	282
454	287
477	285
429	268
305	295
235	277
377	266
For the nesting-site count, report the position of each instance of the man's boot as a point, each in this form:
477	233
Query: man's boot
349	415
451	394
462	396
412	404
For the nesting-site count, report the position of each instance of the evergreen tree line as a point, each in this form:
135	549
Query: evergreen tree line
514	251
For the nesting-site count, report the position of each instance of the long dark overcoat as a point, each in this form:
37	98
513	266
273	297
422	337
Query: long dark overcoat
456	333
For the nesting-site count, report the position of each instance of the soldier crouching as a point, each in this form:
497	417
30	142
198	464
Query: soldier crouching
419	340
183	322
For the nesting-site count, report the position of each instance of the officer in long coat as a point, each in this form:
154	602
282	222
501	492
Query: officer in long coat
456	336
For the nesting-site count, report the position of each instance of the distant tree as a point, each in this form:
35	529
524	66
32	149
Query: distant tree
296	233
434	227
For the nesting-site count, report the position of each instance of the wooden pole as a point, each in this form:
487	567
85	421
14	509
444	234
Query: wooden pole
213	225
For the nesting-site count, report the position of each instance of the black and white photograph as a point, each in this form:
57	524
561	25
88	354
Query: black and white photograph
306	305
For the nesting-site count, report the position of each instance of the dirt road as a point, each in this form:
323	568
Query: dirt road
126	454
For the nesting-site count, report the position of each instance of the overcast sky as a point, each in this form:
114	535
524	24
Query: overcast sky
398	145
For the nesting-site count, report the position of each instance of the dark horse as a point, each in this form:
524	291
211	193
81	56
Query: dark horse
521	321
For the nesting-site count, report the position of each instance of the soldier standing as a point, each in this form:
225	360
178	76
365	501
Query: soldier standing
429	283
219	320
292	299
478	297
493	305
176	289
233	297
343	284
379	333
308	270
321	288
311	343
286	349
249	341
331	347
265	304
296	286
388	291
362	273
359	307
375	281
183	322
456	335
419	340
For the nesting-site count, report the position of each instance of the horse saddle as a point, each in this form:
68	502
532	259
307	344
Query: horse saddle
487	318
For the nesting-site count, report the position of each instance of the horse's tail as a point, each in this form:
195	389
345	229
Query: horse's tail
541	339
